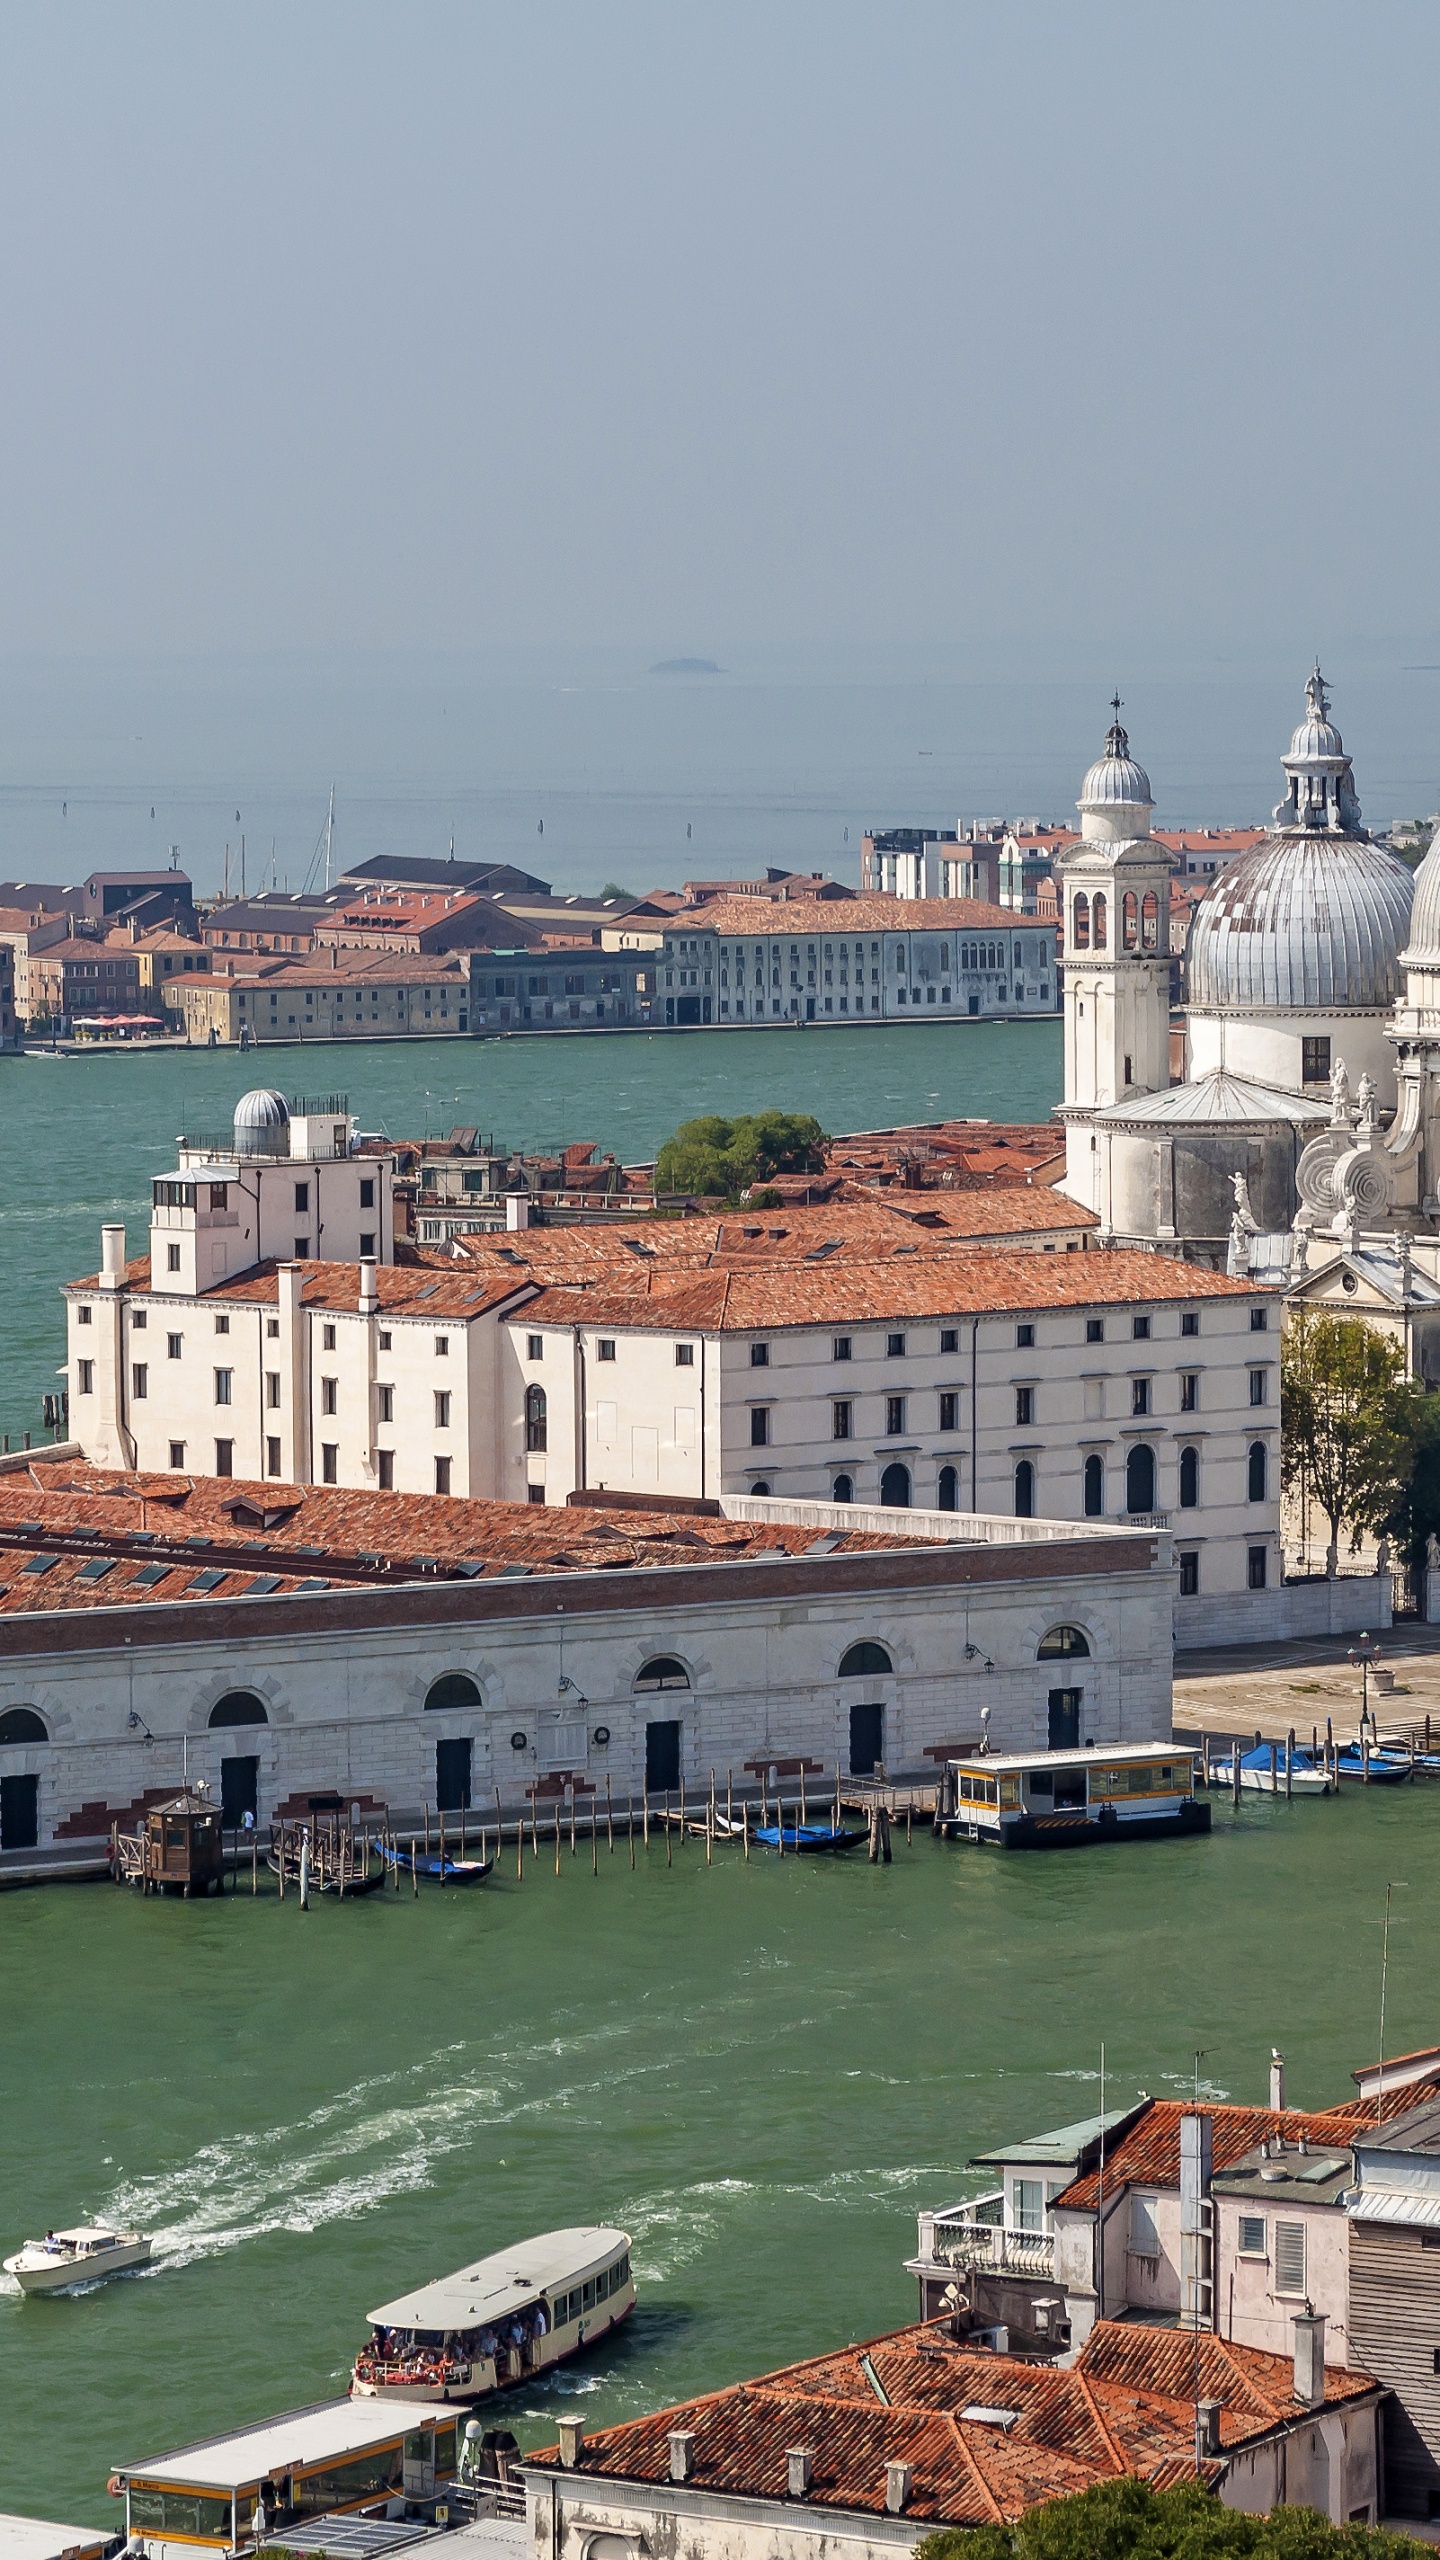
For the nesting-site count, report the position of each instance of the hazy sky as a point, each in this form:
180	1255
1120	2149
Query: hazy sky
793	321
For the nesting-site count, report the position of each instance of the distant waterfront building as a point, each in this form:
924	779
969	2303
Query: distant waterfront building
872	958
932	862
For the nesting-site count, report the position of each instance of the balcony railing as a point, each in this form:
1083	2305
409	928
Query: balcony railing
963	2241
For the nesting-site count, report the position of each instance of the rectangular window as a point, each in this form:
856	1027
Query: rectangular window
82	1316
1189	1392
272	1457
684	1355
367	1247
1190	1321
172	1257
894	1346
605	1350
137	1321
1024	1337
442	1411
840	1419
950	1339
139	1381
272	1328
382	1341
1144	2236
329	1462
1094	1328
1140	1328
759	1426
1028	2204
385	1403
1189	1576
302	1249
442	1477
1259	1319
224	1381
327	1337
442	1346
1255	1564
894	1416
1257	1386
1139	1395
1289	2257
272	1389
302	1195
86	1378
534	1346
533	1492
1025	1404
385	1470
367	1192
177	1453
1315	1061
1252	2235
840	1347
759	1355
949	1412
224	1457
222	1324
329	1395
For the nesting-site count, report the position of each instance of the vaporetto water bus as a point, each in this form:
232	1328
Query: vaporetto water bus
1073	1799
495	2323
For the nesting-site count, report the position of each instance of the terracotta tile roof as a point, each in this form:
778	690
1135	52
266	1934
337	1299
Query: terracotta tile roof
792	918
1125	2407
1149	2155
440	1290
222	1525
861	1292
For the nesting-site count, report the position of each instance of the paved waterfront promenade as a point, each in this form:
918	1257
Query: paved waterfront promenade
1268	1688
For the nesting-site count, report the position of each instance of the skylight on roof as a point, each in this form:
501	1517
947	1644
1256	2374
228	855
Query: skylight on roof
150	1574
94	1568
208	1580
260	1583
38	1564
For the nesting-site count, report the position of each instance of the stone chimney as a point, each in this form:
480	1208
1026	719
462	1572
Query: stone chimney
517	1211
369	1289
899	2479
682	2453
1207	2430
572	2441
112	1257
1310	2357
1277	2080
799	2470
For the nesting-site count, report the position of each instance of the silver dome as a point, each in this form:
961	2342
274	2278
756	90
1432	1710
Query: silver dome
1302	922
1315	742
262	1123
1424	946
1117	781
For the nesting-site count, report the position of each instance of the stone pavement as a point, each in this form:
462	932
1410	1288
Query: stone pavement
1268	1688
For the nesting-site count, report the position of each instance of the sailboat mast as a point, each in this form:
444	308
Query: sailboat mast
329	833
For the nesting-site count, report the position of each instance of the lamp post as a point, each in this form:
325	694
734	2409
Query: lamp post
1364	1656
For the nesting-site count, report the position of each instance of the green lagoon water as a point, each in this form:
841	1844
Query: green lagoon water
81	1139
762	2072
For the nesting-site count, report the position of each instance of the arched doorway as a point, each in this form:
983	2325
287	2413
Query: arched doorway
895	1487
1140	1478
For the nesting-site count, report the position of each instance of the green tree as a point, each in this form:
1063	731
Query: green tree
1350	1421
1416	1515
716	1158
1126	2520
612	892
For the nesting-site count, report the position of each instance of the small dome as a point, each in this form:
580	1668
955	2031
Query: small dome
259	1117
1117	781
1299	923
1314	742
1424	946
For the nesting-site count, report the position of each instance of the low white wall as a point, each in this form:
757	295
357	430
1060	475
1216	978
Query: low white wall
1340	1607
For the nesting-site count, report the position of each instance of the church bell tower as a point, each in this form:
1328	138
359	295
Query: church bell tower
1116	884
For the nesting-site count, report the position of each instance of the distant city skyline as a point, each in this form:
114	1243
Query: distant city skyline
459	327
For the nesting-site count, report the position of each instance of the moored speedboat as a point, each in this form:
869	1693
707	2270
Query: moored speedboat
1260	1776
80	2256
500	2320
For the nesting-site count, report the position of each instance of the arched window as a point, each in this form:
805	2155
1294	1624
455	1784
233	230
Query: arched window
947	1493
238	1706
1258	1472
1094	1488
866	1661
1102	920
1064	1644
1140	1478
535	1410
1189	1479
662	1671
895	1487
1025	1490
1080	922
1150	922
1130	921
21	1724
843	1489
452	1689
760	1487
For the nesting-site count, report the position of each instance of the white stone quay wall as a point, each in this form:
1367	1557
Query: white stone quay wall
1338	1607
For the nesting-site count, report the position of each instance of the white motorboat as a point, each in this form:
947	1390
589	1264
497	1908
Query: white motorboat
83	2255
499	2321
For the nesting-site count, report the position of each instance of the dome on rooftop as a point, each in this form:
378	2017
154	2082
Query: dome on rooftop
1300	922
1424	948
258	1118
1116	781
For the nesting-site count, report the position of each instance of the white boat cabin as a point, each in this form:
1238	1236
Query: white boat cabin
341	2456
509	2315
1060	1799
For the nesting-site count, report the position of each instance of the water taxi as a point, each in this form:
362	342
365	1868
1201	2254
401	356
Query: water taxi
230	2493
84	2255
1071	1799
497	2322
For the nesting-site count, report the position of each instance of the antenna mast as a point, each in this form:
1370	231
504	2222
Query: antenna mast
329	833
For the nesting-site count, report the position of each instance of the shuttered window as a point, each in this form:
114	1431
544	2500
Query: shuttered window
1289	2257
1252	2235
1144	2238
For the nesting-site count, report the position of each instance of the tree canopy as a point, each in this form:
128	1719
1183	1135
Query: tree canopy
1126	2520
715	1158
1350	1421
